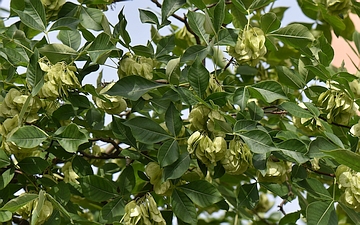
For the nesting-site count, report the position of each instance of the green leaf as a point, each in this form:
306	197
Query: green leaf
296	35
113	210
58	52
256	4
241	97
356	39
133	87
173	71
91	18
201	192
65	23
353	215
219	17
34	74
122	132
173	120
4	159
147	131
142	50
295	110
332	137
178	168
6	177
36	212
290	218
195	52
97	188
16	203
165	46
183	208
269	22
70	137
126	181
33	15
227	37
345	157
120	29
81	166
33	165
319	146
248	196
258	141
169	7
290	78
244	125
28	136
100	48
59	207
5	216
168	153
196	23
316	189
148	17
293	150
198	77
71	38
268	91
321	212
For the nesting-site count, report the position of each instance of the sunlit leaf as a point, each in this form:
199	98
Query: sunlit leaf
70	137
295	34
133	87
18	202
258	141
321	212
178	168
97	188
28	136
6	177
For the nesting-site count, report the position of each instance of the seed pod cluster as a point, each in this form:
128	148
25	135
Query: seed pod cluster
237	158
27	210
136	65
337	106
207	150
276	172
52	8
143	211
110	104
59	79
250	46
349	182
338	7
309	126
154	172
69	174
14	102
355	129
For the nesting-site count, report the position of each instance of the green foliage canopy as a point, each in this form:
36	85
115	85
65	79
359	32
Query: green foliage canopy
228	109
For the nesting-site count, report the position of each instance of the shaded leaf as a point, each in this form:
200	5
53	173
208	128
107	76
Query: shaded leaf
345	157
196	23
113	210
169	7
178	168
321	212
147	131
198	77
65	23
33	165
201	193
33	15
183	208
269	91
126	181
295	110
97	188
4	159
269	22
290	78
248	196
34	74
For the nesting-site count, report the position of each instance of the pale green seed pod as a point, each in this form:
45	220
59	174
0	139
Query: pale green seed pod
338	7
198	117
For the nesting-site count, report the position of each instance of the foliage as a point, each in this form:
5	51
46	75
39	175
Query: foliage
229	109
